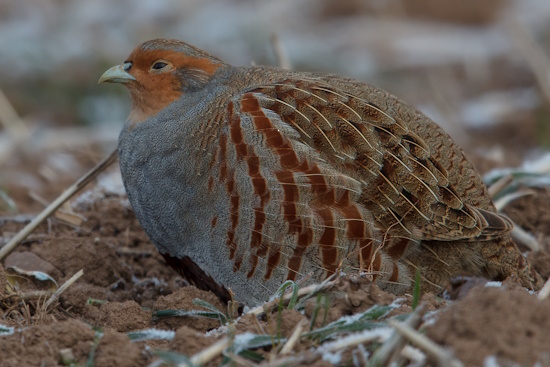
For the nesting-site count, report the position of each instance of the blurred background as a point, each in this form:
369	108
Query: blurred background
478	68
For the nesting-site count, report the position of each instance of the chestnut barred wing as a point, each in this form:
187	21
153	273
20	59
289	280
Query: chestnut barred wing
403	185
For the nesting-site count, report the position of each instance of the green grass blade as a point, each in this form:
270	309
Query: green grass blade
192	313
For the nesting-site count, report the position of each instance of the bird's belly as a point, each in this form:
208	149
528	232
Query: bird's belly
250	233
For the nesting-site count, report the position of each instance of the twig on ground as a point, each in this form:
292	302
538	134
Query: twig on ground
545	291
500	185
294	338
525	238
507	199
62	214
310	289
66	195
208	354
396	342
63	287
27	296
414	354
519	235
442	356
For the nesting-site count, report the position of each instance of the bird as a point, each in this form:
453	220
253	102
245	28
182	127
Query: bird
246	177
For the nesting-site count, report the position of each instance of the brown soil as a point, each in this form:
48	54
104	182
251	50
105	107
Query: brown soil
510	324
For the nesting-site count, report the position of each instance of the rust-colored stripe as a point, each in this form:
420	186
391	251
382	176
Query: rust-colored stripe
274	138
223	158
291	197
234	208
237	264
259	183
324	194
272	261
260	188
328	240
210	183
232	191
304	240
365	254
395	273
289	165
397	247
295	225
354	222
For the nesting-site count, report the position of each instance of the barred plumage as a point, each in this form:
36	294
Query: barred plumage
246	177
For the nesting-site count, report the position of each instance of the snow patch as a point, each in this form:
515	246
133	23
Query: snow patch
151	334
6	330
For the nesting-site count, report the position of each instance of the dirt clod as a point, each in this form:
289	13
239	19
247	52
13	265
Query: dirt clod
40	345
116	349
508	323
125	316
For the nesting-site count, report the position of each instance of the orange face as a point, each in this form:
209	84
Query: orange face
158	73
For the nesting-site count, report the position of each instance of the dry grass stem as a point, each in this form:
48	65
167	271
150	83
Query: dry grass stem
414	354
350	341
442	356
28	296
396	342
500	185
11	120
259	327
62	214
280	53
507	199
294	338
532	52
545	291
57	203
63	287
310	289
522	237
208	354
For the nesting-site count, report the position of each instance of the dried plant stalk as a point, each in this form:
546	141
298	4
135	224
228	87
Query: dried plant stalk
57	203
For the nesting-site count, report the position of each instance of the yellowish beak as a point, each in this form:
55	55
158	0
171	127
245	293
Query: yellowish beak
117	74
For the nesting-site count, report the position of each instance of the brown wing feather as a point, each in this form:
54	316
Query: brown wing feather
405	185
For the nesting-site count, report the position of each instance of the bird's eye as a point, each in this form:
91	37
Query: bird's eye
159	65
127	66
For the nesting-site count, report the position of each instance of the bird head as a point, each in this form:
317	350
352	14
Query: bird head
158	72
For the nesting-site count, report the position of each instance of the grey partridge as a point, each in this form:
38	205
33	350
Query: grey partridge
244	177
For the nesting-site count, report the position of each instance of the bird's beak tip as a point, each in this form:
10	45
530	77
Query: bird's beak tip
116	74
